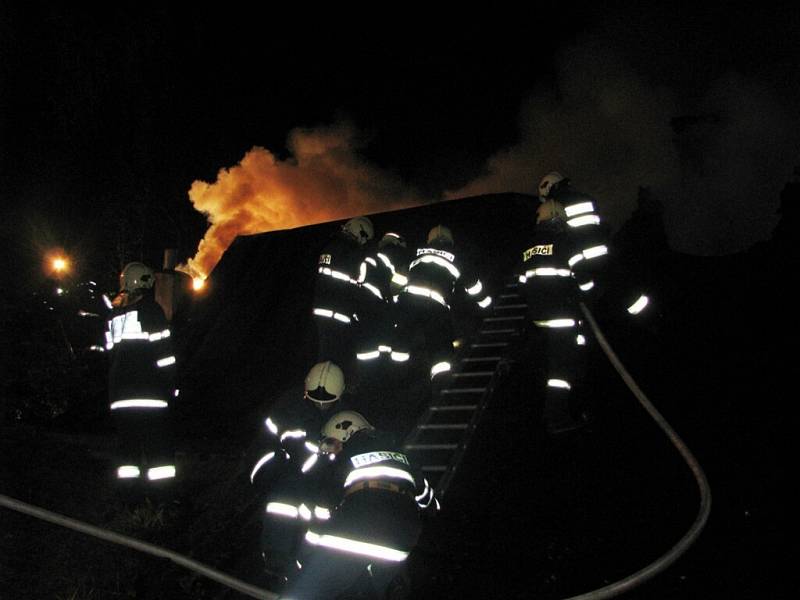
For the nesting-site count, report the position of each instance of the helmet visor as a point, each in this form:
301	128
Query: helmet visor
320	395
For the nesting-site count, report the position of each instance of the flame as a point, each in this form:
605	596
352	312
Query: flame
198	284
324	179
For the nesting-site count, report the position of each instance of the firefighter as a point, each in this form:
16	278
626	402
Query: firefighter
141	380
377	496
382	276
434	275
590	266
285	454
337	292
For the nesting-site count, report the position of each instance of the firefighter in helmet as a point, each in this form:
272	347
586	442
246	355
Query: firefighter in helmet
377	496
283	455
590	265
337	292
141	380
435	276
383	274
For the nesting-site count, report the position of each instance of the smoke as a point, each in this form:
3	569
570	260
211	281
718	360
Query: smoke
323	179
608	127
603	127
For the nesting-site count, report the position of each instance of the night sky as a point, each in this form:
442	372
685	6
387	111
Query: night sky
110	117
126	130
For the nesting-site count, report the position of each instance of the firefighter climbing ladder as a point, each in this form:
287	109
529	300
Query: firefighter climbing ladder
443	431
439	441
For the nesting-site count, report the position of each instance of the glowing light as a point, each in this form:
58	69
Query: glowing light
128	472
138	403
356	547
261	462
56	263
559	383
555	323
165	472
639	305
198	283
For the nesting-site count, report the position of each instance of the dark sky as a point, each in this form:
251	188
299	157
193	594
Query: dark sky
108	117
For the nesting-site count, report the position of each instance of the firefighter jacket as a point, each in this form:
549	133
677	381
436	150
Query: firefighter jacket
436	273
375	276
375	495
545	270
336	293
287	451
142	360
393	266
588	235
590	264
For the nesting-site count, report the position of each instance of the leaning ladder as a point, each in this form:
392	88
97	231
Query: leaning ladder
443	431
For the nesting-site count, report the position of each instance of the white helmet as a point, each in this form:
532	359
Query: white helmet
343	425
360	228
136	276
324	383
440	234
547	183
392	239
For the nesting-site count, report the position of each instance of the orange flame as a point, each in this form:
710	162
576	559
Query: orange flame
323	180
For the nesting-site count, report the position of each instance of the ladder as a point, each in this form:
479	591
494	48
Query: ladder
444	429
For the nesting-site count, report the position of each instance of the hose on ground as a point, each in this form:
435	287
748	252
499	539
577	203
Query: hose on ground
664	561
123	540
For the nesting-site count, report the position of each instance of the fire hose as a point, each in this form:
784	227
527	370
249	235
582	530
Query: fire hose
609	591
116	538
664	561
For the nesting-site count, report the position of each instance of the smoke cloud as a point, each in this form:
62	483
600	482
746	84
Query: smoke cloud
609	128
323	179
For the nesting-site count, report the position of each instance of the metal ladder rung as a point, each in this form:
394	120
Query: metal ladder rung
490	345
452	407
430	446
444	426
475	390
475	374
496	331
510	295
496	319
510	306
481	359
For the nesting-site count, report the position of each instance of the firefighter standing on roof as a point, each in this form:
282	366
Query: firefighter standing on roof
378	495
337	292
424	303
590	265
552	295
141	381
